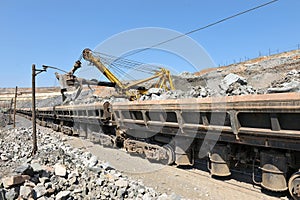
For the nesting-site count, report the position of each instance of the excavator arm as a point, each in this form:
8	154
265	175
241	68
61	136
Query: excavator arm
162	74
88	56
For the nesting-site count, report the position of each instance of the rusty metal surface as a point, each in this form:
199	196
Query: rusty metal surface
270	108
237	129
274	169
219	161
244	102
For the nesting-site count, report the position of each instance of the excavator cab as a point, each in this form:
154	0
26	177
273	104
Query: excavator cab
70	79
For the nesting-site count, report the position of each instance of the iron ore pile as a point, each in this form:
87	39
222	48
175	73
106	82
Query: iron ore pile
59	171
230	85
288	83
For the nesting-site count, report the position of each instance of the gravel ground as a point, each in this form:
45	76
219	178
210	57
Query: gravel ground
186	184
60	171
115	169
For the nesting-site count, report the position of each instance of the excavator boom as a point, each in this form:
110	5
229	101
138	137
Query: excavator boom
162	74
88	56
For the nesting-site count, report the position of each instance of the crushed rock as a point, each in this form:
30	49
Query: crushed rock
59	171
289	83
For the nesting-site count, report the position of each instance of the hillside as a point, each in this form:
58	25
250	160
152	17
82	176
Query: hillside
275	73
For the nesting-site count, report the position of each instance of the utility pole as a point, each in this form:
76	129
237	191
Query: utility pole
34	149
35	72
15	106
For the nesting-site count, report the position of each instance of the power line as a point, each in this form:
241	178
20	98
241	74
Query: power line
201	28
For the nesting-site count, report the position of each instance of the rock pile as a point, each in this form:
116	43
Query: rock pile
199	92
161	94
12	149
230	85
289	83
59	171
186	75
233	84
3	119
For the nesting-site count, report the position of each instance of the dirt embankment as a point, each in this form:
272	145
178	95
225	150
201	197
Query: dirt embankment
259	72
254	76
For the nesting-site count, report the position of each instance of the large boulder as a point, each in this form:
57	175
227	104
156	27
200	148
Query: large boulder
14	180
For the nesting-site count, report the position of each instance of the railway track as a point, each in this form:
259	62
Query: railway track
262	131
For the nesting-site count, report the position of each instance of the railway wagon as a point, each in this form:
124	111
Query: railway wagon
256	132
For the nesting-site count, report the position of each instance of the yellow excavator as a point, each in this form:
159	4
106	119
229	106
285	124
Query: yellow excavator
132	90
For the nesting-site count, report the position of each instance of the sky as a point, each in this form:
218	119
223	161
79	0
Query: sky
54	32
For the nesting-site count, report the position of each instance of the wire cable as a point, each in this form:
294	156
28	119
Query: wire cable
201	28
122	67
116	62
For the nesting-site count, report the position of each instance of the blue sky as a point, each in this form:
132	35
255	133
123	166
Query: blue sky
54	32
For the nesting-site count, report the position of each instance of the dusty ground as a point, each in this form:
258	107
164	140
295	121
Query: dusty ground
185	183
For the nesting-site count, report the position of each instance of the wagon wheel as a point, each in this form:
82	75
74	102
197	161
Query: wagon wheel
170	154
294	186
